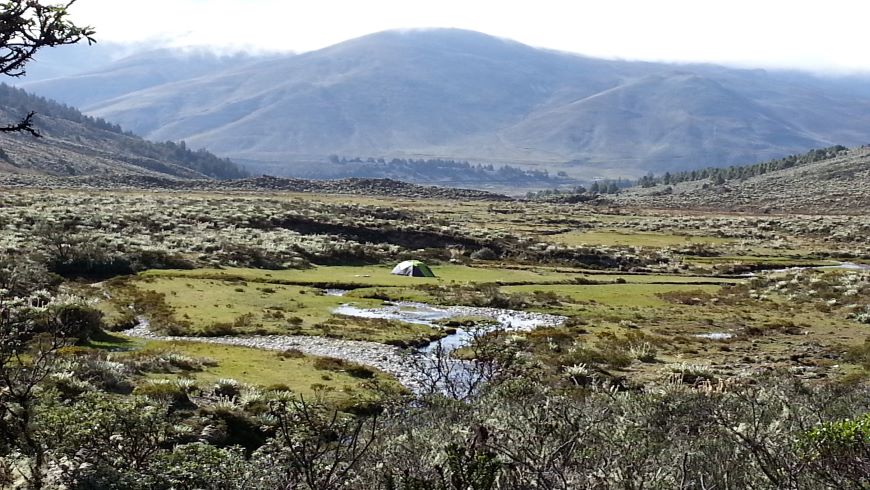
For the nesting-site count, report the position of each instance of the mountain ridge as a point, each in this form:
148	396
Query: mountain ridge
74	144
447	93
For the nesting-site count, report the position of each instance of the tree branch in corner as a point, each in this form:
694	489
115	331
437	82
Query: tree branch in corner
23	126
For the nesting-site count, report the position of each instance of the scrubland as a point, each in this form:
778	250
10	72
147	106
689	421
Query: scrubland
687	339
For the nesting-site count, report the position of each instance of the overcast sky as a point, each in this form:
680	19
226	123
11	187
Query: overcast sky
810	35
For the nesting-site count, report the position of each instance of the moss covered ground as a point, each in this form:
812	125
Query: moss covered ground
293	371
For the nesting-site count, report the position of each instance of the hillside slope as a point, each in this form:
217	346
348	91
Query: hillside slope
74	144
447	93
837	185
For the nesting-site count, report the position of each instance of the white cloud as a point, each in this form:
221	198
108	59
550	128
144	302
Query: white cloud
768	33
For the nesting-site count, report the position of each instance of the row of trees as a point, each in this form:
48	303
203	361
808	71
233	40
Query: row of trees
597	188
18	101
720	175
437	169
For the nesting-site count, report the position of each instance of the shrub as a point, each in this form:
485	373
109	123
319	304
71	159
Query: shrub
291	354
20	276
126	321
226	387
164	362
484	253
359	371
104	374
240	429
839	450
280	387
219	329
295	321
860	354
330	364
141	260
78	320
165	391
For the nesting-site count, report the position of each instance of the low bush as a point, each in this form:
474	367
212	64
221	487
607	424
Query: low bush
219	329
150	361
484	253
77	320
330	364
360	371
291	354
166	392
859	354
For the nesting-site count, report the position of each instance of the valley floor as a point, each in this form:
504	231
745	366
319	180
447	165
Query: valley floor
222	305
645	293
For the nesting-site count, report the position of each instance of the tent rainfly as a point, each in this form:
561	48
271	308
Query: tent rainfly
413	268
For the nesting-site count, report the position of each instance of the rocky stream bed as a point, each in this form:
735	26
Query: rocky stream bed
389	359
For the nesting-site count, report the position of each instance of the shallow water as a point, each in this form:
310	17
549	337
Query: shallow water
424	314
850	266
716	336
418	314
386	358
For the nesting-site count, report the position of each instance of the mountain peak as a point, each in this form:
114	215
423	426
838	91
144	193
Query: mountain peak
459	94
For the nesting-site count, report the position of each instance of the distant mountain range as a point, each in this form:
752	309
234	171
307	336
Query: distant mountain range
75	144
453	94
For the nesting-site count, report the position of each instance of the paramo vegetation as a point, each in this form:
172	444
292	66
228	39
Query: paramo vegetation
626	394
681	350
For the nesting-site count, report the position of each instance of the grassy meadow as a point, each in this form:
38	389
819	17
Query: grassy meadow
258	263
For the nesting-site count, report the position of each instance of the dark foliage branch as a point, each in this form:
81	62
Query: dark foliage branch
26	26
23	126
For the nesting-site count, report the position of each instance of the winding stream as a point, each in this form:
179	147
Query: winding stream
398	362
425	314
389	359
849	266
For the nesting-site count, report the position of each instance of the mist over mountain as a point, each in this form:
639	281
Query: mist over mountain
73	59
447	93
125	75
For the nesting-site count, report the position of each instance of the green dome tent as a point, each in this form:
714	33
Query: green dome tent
413	268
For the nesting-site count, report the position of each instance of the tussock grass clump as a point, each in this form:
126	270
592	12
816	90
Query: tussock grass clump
291	354
166	391
149	361
339	365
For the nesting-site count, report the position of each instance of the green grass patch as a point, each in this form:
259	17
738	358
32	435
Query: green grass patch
376	275
213	307
306	375
760	260
640	295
